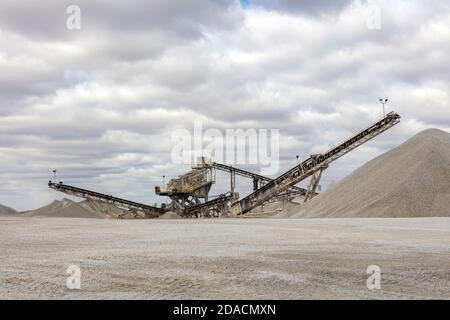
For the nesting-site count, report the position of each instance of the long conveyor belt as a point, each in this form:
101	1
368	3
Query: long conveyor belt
312	165
88	194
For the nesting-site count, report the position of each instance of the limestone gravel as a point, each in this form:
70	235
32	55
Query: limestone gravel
224	258
412	180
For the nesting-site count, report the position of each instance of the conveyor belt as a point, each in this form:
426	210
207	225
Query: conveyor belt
87	194
195	209
312	165
223	167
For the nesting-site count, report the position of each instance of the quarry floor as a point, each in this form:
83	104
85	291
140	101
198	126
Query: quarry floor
224	259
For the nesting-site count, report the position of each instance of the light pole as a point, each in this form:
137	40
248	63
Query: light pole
383	102
297	159
54	175
163	186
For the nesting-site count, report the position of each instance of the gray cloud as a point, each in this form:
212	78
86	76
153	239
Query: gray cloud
308	7
47	19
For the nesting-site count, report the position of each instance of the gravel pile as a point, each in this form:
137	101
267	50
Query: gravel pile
412	180
66	208
6	211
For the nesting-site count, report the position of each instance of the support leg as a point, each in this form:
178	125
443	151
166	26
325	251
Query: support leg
312	187
232	184
255	184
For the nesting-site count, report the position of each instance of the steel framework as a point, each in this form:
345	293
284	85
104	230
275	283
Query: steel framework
311	166
189	193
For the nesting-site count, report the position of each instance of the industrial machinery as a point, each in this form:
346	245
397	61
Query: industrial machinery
189	189
189	193
258	181
313	166
211	209
138	210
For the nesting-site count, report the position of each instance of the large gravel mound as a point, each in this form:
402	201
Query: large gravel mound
412	180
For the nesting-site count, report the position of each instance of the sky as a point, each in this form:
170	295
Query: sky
97	96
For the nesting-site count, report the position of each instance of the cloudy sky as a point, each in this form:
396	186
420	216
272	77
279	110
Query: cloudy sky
99	104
